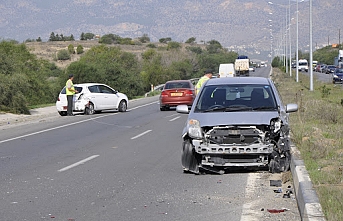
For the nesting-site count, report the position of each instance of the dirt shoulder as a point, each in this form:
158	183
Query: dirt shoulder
8	120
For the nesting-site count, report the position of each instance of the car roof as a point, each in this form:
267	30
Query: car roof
178	81
87	84
238	80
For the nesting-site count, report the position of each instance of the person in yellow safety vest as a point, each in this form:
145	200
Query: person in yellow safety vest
70	91
203	79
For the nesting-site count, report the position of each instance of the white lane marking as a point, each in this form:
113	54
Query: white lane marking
142	105
175	118
78	163
79	122
248	214
171	115
139	135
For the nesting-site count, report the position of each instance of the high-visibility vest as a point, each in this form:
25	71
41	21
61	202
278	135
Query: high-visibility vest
201	81
72	87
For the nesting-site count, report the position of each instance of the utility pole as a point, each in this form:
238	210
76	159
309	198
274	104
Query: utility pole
339	38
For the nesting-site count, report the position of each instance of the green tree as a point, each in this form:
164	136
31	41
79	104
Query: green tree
191	40
213	46
110	39
52	37
326	55
196	50
82	36
165	40
25	80
144	39
39	39
89	36
109	65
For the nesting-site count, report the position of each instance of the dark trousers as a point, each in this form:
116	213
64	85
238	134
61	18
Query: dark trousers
70	104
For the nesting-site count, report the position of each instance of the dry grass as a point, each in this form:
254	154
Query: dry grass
316	131
48	50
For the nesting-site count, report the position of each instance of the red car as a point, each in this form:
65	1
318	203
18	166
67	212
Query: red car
177	92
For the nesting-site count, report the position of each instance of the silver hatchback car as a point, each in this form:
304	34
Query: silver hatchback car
236	122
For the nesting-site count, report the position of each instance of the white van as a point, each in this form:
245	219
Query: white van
303	65
227	70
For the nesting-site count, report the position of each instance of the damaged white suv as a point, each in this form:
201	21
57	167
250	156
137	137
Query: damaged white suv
237	122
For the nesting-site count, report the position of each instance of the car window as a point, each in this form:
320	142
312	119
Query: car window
94	89
253	96
63	91
106	90
173	85
339	70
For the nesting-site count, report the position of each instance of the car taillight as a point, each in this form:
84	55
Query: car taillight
164	94
189	93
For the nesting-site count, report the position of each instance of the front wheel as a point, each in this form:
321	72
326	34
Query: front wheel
189	158
122	106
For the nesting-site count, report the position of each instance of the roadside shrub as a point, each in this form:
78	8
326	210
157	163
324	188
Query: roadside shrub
71	49
79	49
151	45
63	55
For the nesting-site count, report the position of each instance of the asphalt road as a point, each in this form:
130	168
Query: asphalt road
123	166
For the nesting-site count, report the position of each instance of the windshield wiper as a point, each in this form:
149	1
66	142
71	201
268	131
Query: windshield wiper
234	108
264	108
215	109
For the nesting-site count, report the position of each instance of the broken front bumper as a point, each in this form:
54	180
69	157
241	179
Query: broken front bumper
229	155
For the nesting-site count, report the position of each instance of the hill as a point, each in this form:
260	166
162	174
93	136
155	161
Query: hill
242	25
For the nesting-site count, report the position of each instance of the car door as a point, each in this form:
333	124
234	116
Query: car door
96	97
109	97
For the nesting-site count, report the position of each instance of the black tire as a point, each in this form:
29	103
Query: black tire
273	166
63	113
90	109
162	108
122	106
189	159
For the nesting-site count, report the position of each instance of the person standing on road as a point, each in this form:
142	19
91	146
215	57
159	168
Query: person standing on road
203	79
70	91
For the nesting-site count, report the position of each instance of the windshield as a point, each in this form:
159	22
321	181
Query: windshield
302	63
231	98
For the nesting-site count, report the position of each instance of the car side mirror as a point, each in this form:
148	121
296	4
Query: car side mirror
182	109
291	108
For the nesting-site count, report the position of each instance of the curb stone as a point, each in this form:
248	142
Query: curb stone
307	199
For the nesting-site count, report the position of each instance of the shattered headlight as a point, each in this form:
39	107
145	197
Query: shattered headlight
275	125
194	129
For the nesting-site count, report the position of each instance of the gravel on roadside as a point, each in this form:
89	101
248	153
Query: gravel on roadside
9	120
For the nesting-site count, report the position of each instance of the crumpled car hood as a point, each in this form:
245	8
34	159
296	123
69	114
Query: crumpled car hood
234	118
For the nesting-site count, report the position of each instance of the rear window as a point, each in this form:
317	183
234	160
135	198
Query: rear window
173	85
79	89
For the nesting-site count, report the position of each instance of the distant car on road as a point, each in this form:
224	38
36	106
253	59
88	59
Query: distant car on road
320	68
176	92
92	98
252	69
236	122
337	76
330	69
